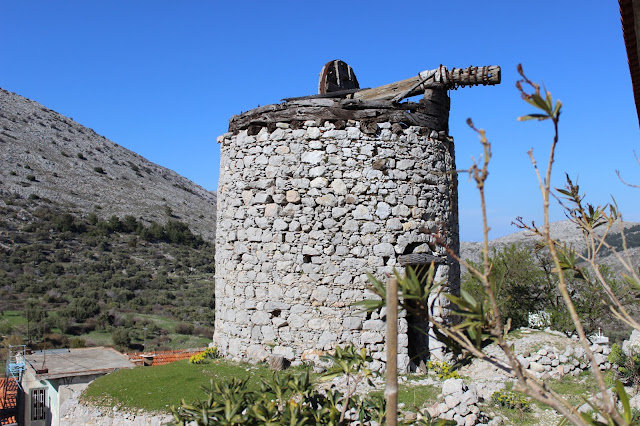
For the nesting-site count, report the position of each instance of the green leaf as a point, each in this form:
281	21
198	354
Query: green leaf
540	103
624	398
369	305
538	117
556	110
469	298
631	281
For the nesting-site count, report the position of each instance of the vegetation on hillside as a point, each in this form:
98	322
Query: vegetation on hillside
77	275
526	284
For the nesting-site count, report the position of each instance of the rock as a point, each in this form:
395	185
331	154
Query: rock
632	344
319	182
453	386
600	358
524	361
384	249
362	212
339	187
469	398
327	200
534	366
313	133
471	419
293	196
313	157
451	400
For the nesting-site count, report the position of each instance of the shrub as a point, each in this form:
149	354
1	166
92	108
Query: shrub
285	399
78	343
510	399
627	367
31	178
99	170
443	370
521	285
121	337
204	356
80	156
184	328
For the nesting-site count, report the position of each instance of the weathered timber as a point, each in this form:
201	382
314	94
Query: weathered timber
337	76
419	259
277	362
441	77
380	104
337	94
408	113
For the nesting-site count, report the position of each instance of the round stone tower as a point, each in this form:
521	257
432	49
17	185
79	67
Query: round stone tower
316	192
305	210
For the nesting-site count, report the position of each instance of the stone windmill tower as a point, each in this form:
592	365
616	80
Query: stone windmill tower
317	191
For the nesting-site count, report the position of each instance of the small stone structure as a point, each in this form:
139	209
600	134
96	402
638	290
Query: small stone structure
314	194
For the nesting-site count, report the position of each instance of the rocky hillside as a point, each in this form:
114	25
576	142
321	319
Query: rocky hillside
567	232
50	156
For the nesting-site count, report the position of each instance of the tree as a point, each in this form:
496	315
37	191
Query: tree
483	321
121	337
521	285
36	317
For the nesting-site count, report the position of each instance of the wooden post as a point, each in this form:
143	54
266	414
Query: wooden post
391	390
276	362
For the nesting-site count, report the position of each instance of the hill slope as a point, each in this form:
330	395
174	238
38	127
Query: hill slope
567	232
49	155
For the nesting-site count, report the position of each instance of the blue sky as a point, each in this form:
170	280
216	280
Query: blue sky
162	78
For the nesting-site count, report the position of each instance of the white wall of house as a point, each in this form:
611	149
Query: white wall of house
57	391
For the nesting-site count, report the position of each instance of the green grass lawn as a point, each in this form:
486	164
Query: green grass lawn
97	338
415	397
161	321
183	341
156	388
14	318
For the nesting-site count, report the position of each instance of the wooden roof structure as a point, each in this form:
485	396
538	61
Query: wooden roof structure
340	99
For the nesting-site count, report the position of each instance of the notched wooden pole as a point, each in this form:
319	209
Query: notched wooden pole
440	77
391	390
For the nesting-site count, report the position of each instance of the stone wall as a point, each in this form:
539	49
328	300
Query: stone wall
75	413
304	213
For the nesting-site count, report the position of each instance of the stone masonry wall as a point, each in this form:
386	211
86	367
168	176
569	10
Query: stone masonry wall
305	213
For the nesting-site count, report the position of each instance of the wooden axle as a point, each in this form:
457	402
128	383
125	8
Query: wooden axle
432	79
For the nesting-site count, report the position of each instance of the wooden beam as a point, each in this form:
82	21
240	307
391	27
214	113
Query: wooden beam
419	259
432	116
441	77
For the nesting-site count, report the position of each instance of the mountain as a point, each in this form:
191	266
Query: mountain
568	233
49	156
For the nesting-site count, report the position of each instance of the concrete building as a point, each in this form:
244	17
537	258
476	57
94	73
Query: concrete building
51	377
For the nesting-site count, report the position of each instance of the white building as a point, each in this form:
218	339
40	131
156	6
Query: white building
51	377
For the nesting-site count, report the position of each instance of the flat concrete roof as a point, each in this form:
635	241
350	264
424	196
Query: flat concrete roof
58	363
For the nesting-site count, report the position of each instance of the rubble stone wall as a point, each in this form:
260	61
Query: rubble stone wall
304	213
